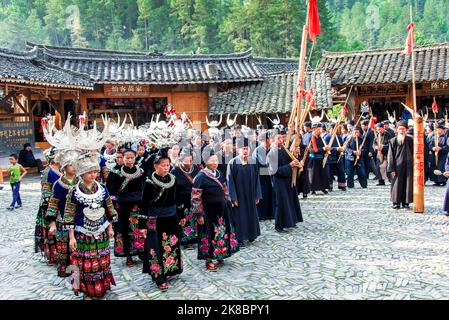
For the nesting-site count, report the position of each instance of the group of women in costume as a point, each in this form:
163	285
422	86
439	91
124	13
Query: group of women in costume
153	208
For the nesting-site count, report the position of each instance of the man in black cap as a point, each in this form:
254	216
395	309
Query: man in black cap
307	133
27	159
369	157
280	165
245	193
387	127
265	208
381	146
318	176
335	168
354	159
441	150
400	167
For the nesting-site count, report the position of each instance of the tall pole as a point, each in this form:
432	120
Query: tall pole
418	143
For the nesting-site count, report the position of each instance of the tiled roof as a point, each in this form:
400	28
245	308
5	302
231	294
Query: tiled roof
274	95
105	66
276	65
25	68
387	65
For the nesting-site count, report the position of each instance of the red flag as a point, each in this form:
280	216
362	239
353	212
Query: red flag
43	122
410	39
372	123
313	23
310	98
344	111
434	106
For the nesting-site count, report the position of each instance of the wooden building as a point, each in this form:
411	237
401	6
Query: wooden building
142	83
382	78
27	88
94	81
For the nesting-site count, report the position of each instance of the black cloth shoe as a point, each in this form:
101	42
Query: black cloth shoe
313	192
325	191
381	183
304	196
280	230
343	188
406	206
396	206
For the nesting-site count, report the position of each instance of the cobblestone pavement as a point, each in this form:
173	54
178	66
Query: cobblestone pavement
351	246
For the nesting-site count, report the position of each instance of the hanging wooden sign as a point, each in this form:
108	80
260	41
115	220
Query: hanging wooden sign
126	90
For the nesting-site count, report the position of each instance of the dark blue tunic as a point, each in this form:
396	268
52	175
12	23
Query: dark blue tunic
442	155
244	187
265	208
288	211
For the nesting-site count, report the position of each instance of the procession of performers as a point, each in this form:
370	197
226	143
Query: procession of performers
157	195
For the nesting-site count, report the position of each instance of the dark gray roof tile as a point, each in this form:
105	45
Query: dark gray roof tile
387	65
274	95
26	68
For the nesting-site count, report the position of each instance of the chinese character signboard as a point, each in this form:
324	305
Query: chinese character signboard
436	86
13	135
126	90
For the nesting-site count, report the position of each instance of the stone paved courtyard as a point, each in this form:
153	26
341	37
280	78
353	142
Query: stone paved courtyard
351	246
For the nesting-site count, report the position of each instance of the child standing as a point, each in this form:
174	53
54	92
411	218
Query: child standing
16	173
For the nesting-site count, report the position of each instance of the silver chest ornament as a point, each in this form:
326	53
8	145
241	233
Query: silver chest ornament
93	212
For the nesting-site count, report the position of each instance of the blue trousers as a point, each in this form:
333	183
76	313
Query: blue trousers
15	187
360	169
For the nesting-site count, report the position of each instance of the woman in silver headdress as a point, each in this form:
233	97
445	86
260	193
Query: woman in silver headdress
126	184
56	208
44	242
89	214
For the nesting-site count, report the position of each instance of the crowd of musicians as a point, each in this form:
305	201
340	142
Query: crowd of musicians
206	192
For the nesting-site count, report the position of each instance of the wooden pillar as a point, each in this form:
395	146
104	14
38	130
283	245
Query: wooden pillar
62	108
418	165
29	104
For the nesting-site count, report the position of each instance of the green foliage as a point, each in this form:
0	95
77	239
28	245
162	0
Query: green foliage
270	27
335	111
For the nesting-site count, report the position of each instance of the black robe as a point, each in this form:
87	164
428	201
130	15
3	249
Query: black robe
244	187
162	253
210	200
287	208
265	208
128	195
318	176
187	221
442	155
400	160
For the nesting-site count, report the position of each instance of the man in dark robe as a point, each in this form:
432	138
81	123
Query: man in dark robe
318	176
265	208
370	156
381	143
335	168
354	153
400	166
244	190
280	165
388	128
442	149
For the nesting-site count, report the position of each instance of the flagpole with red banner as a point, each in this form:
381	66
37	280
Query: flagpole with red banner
311	29
418	131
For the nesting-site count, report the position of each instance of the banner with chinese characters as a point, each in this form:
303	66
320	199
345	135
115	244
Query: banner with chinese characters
126	90
13	135
441	86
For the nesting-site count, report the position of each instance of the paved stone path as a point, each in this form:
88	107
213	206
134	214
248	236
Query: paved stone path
351	246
